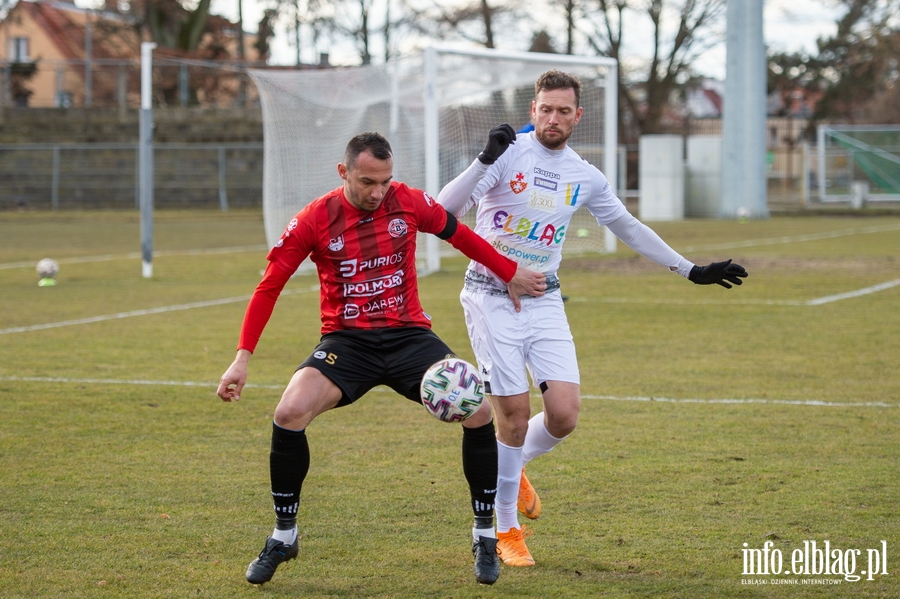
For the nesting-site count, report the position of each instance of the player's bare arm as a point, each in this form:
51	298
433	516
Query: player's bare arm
234	379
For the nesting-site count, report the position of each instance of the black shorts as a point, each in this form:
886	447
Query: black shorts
356	361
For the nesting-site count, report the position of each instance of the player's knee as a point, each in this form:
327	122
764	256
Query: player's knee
561	425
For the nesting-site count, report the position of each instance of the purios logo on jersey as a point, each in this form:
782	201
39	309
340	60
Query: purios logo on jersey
337	244
397	227
353	266
524	227
373	286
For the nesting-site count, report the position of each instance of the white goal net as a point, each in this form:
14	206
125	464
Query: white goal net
435	109
858	162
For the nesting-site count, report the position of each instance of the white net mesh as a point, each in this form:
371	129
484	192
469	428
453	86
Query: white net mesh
309	116
854	155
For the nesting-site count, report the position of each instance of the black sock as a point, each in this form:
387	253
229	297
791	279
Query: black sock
288	465
479	457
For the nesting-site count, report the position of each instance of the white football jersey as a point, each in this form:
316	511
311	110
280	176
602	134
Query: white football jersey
528	196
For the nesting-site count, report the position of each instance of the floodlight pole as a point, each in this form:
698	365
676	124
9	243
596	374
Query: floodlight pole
145	159
744	119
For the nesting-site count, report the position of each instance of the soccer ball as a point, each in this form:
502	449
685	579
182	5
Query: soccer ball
452	390
47	268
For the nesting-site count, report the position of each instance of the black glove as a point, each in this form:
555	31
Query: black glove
498	140
719	273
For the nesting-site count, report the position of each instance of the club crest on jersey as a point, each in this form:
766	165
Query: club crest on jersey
336	244
519	184
397	227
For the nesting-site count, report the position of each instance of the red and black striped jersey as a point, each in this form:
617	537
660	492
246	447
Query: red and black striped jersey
366	261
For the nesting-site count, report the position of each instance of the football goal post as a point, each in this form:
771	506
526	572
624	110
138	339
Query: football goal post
436	109
858	162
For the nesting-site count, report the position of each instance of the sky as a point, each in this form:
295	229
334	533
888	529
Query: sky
788	25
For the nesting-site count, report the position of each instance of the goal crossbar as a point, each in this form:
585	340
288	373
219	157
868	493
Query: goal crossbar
435	108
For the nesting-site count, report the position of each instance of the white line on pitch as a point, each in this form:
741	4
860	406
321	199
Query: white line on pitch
792	238
144	312
813	302
787	402
137	255
57	379
850	294
382	389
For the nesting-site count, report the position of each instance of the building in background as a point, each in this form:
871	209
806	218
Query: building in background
55	54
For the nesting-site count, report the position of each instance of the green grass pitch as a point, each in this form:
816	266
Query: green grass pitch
714	423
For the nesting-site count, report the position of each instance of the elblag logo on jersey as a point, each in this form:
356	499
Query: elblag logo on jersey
397	227
524	227
336	244
373	286
519	184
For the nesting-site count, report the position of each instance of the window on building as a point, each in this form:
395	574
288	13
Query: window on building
18	49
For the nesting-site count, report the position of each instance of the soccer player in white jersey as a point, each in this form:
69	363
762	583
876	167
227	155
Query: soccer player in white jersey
526	194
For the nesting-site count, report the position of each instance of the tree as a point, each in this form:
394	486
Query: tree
679	35
855	75
475	22
264	33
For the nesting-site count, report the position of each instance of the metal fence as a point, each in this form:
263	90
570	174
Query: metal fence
105	175
113	83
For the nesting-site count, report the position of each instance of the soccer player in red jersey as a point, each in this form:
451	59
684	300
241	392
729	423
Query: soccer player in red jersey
362	238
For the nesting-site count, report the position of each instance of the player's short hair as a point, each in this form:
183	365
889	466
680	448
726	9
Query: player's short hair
554	79
371	142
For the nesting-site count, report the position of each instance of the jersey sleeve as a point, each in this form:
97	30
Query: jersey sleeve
646	242
457	196
436	220
295	244
604	205
475	248
262	302
297	241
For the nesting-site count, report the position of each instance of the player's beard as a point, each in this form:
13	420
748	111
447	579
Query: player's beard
556	142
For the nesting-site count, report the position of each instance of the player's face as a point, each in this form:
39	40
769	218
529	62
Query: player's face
555	114
367	180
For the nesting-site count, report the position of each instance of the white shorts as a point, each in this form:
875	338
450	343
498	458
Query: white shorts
507	343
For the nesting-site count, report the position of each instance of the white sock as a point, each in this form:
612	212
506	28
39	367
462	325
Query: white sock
509	472
487	533
538	439
285	536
